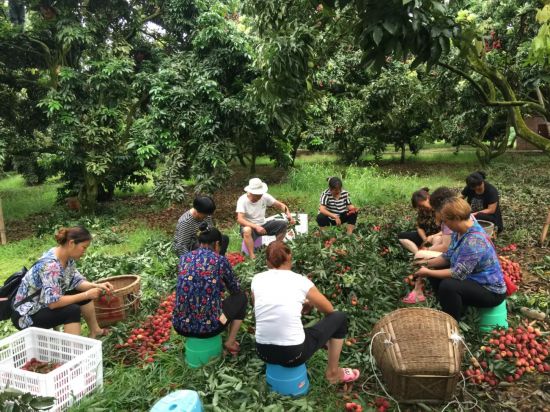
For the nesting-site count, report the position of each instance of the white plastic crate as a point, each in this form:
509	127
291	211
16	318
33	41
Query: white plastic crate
81	371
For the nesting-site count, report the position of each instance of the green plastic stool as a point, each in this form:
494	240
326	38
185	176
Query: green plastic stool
491	318
199	351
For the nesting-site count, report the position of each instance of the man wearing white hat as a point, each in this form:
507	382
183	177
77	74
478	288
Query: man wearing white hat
251	209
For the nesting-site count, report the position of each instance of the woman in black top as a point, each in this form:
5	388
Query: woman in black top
484	199
426	225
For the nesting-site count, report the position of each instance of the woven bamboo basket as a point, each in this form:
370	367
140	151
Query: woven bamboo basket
418	360
123	301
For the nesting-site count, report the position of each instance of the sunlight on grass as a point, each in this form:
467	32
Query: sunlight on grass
25	252
20	201
131	241
22	253
368	185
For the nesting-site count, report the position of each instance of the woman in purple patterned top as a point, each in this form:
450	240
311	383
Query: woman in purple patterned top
469	273
203	274
54	293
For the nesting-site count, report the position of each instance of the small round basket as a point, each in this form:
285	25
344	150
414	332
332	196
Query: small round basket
489	227
416	355
123	301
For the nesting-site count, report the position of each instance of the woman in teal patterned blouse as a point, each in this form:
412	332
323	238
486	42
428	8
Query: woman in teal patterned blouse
54	293
469	273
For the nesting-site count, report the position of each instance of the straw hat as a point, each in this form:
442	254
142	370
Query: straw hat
256	186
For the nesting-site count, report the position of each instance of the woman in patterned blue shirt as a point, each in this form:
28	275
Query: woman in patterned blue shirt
474	276
201	310
54	293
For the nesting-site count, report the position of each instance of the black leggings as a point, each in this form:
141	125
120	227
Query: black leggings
454	294
333	326
323	220
47	318
233	307
413	236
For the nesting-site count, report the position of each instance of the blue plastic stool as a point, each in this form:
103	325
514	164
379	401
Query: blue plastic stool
490	318
257	245
287	381
179	401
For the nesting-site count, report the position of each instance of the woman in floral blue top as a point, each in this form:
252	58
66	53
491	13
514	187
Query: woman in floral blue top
474	276
201	310
54	293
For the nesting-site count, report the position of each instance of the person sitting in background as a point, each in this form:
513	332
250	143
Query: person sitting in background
185	238
437	199
469	273
251	208
203	274
483	198
54	293
427	230
279	296
425	240
335	207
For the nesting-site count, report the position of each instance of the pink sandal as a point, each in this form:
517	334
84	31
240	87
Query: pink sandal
350	375
413	298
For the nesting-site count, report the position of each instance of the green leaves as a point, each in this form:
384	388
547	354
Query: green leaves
14	400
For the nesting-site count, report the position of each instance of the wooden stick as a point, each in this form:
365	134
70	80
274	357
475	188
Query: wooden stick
2	226
545	229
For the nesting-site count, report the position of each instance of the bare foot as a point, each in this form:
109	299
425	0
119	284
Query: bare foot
98	332
335	377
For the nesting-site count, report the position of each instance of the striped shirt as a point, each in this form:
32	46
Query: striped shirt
186	232
333	205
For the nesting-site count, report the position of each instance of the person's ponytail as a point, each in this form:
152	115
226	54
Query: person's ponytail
208	235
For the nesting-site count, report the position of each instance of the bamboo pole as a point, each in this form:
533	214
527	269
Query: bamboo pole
2	226
545	229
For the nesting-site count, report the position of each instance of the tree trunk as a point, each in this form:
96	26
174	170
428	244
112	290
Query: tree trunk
106	192
295	152
241	159
88	193
501	83
403	148
253	162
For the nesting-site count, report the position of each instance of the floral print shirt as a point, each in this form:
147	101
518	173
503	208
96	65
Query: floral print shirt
426	220
202	277
52	279
473	256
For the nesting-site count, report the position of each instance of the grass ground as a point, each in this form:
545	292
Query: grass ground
20	201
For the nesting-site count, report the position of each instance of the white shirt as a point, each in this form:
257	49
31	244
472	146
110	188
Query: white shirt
278	299
254	212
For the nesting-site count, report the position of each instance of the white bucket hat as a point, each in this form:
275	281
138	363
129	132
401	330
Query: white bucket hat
256	186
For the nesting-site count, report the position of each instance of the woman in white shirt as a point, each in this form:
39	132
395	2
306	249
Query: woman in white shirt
279	296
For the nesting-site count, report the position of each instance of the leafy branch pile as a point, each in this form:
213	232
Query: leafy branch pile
361	274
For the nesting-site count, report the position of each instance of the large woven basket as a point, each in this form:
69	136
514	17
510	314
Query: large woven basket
123	301
418	359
